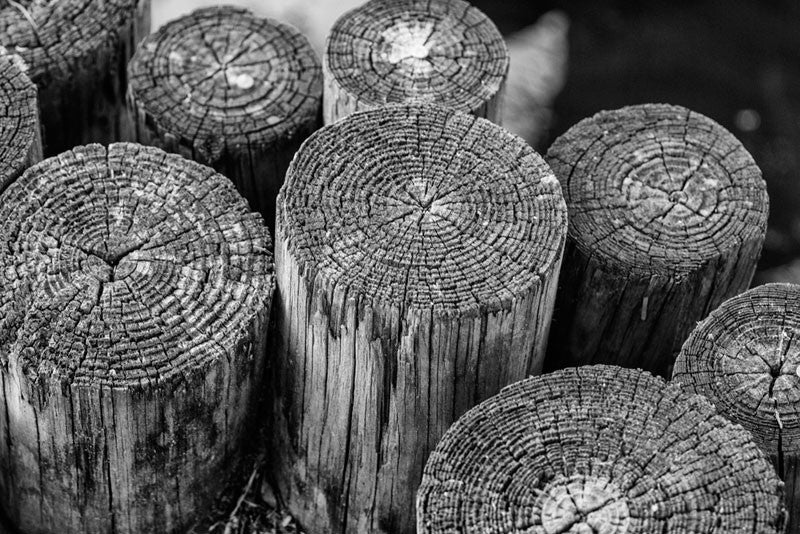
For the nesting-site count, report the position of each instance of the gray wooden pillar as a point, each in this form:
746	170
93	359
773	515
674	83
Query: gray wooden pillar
20	132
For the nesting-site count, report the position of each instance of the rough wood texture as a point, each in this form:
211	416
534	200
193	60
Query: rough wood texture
417	251
598	449
422	51
76	52
231	90
20	136
667	215
745	358
136	289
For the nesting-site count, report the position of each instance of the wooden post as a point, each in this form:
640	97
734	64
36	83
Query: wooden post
231	90
417	250
667	216
136	289
598	449
439	51
745	358
76	52
20	133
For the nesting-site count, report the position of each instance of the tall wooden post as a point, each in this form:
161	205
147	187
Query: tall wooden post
437	51
136	290
745	358
230	90
20	132
668	214
598	449
417	251
76	52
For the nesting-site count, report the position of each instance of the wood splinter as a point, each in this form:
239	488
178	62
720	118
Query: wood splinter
20	133
667	217
136	290
417	250
598	449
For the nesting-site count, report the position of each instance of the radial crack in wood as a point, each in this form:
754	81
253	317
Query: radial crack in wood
668	214
230	90
425	51
417	252
136	290
20	132
597	449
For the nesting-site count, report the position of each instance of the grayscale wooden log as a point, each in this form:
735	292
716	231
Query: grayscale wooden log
230	90
745	357
598	449
417	251
76	52
417	51
136	290
667	216
20	132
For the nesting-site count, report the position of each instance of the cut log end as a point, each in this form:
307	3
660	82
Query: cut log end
423	206
597	449
20	138
127	267
222	76
443	51
658	189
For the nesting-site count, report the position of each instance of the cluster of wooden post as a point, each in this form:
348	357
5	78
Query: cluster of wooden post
420	253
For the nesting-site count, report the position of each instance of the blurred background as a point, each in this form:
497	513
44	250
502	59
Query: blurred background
737	61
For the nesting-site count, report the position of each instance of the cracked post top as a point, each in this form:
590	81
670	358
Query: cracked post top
19	121
598	449
745	357
657	189
441	51
423	206
53	36
126	267
221	78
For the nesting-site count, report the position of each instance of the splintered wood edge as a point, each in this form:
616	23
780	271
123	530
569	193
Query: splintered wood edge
221	77
658	189
576	450
20	137
433	51
423	206
745	357
128	267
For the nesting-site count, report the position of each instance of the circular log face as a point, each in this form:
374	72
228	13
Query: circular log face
19	120
745	357
52	36
425	206
127	267
658	189
597	449
223	76
442	51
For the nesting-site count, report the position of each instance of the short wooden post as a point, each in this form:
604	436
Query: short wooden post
745	358
437	51
76	52
230	90
20	132
136	290
417	250
598	449
667	216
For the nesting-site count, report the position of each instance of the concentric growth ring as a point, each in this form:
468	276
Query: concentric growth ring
441	51
597	449
20	142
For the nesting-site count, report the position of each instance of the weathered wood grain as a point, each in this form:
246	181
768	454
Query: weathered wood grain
744	357
20	132
136	290
422	51
598	449
668	214
230	90
417	252
76	52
